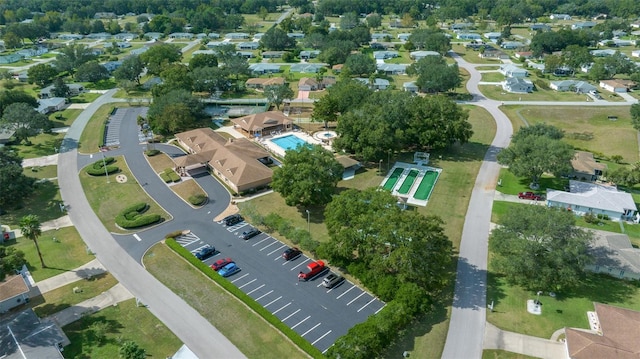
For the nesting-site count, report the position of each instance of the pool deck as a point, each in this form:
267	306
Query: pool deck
267	142
409	196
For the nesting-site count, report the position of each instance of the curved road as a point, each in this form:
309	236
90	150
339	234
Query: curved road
196	332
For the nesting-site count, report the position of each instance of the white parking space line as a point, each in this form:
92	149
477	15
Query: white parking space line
301	263
371	301
307	332
255	289
264	295
137	237
340	296
319	285
274	242
246	284
291	315
281	308
300	322
326	350
278	258
354	299
319	339
255	244
277	249
380	308
237	279
273	301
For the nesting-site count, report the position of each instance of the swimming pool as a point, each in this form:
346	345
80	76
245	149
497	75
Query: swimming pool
426	185
289	142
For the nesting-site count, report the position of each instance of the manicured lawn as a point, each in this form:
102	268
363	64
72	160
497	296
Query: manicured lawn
41	172
44	201
497	93
566	310
43	144
160	162
139	93
510	184
472	56
492	77
501	354
124	322
64	297
65	253
108	199
65	117
85	97
186	189
585	127
250	333
90	138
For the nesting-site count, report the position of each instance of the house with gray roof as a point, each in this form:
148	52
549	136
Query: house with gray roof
181	35
213	44
392	69
272	54
560	17
603	52
246	54
511	45
296	35
9	59
584	198
493	36
139	51
308	54
123	36
539	27
236	36
410	87
404	36
70	37
384	55
112	65
583	25
52	104
572	85
153	35
25	336
249	45
510	70
614	255
517	85
419	55
99	36
305	68
74	90
258	36
378	84
380	35
469	36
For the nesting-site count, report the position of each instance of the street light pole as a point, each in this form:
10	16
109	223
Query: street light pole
380	167
308	222
104	165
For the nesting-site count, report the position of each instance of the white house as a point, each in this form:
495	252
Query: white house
419	55
124	36
392	69
584	198
250	45
383	55
309	54
493	36
410	87
70	37
378	84
404	36
603	52
510	70
635	53
583	25
52	104
181	35
614	255
236	36
511	45
517	85
572	85
617	85
469	36
560	17
14	291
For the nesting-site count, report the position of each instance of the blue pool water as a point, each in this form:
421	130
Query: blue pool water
289	142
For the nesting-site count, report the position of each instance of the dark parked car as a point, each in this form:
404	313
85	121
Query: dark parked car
233	219
332	280
250	233
205	252
530	195
220	263
291	253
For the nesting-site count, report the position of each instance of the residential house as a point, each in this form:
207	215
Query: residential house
493	36
635	53
25	336
309	54
585	167
560	17
614	255
249	45
305	68
617	42
523	54
214	44
296	35
511	70
461	26
260	83
419	55
68	37
583	25
337	68
23	76
469	36
410	87
237	162
74	90
635	25
382	45
377	84
404	36
5	137
540	27
105	15
603	52
264	123
215	35
181	36
272	54
517	85
155	80
33	52
138	51
584	198
236	36
112	65
14	292
379	36
245	54
258	36
153	35
384	55
512	45
308	84
617	85
264	68
392	69
120	45
99	36
349	165
493	53
51	104
125	36
572	85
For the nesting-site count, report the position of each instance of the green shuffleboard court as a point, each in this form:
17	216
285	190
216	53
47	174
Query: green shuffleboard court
426	185
408	182
393	179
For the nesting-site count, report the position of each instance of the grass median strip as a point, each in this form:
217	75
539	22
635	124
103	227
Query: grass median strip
235	320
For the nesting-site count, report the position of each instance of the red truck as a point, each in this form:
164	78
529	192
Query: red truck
313	269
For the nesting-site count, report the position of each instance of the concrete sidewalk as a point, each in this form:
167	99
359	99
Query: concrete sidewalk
64	221
495	338
498	196
40	161
111	297
85	271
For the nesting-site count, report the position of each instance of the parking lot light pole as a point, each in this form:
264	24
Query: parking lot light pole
106	173
308	222
380	167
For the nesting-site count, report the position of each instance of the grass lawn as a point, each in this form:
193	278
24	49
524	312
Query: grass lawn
121	93
472	56
41	172
160	162
123	322
43	144
492	77
186	189
65	117
249	332
43	201
513	185
497	93
606	136
64	297
566	310
90	138
85	97
501	354
108	199
67	252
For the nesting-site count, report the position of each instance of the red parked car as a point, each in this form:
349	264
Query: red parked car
530	195
313	269
220	263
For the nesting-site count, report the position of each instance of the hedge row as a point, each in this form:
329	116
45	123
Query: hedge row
165	177
152	153
133	217
250	302
98	167
197	199
173	176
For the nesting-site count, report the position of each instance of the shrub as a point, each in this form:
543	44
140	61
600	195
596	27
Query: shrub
617	158
173	176
152	153
197	199
165	177
591	218
272	222
98	167
133	217
173	234
541	84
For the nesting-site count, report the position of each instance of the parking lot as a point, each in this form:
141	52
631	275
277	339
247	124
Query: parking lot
318	314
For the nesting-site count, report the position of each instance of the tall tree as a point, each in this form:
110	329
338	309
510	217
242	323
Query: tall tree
15	185
210	79
174	111
91	71
30	227
60	88
203	60
308	176
276	94
24	120
432	40
159	56
360	65
339	98
535	150
635	115
277	39
540	248
7	97
130	69
131	350
41	74
435	75
70	57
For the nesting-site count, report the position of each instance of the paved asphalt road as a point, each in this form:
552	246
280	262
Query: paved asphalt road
196	332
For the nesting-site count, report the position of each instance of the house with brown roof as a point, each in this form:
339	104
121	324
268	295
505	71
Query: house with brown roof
260	83
14	291
585	167
264	123
237	162
308	84
614	334
617	85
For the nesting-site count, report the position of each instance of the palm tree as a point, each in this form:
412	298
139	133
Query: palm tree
30	228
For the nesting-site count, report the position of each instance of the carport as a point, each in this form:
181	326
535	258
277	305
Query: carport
193	162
